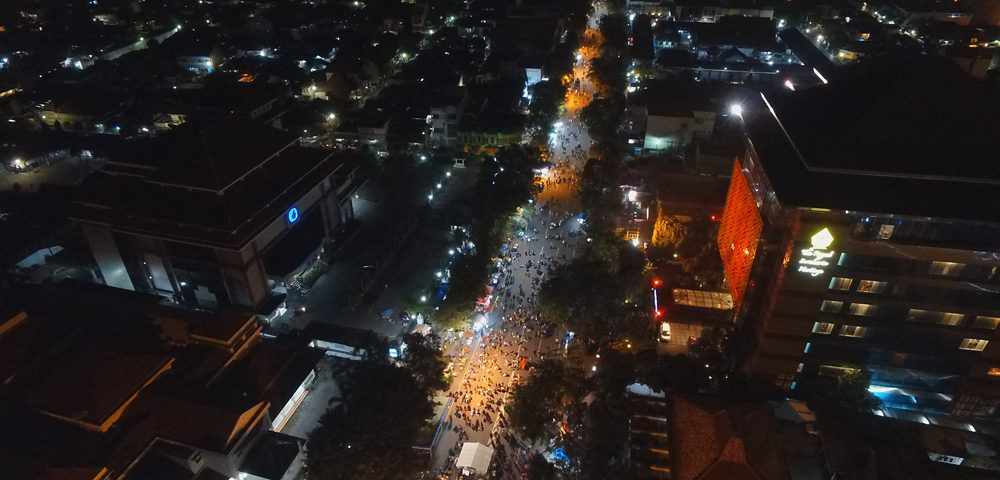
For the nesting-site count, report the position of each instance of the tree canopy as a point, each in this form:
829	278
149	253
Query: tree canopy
505	183
370	434
542	399
596	294
424	359
848	393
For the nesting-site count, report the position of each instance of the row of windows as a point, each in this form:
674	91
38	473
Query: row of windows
913	315
928	232
859	309
918	267
855	331
926	293
864	286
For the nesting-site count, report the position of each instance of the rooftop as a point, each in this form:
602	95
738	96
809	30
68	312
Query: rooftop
718	439
884	126
210	156
215	184
101	385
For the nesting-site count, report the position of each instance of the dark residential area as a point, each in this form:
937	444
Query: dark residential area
521	240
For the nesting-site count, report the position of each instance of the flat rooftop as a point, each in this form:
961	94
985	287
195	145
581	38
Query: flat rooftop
217	184
915	126
92	388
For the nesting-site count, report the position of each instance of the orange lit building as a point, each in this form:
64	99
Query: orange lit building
739	234
856	238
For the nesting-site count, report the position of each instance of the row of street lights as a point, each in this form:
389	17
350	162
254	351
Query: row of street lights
440	275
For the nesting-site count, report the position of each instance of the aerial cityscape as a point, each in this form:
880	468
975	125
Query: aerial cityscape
504	240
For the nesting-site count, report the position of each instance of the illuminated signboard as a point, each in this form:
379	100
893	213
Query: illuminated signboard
293	215
816	258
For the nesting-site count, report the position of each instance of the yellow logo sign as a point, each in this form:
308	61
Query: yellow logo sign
822	239
814	260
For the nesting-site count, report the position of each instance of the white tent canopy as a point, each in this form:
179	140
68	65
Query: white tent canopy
475	456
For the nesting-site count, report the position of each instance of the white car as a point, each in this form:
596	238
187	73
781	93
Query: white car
664	332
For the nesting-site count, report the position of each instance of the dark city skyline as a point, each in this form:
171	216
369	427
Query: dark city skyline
504	240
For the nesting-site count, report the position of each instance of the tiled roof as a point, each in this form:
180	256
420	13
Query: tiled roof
717	439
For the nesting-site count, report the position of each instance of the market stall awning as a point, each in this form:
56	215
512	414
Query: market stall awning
475	456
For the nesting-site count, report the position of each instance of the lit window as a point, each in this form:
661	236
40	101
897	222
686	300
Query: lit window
831	306
861	309
949	318
853	331
946	268
823	328
872	286
989	323
839	283
835	371
808	346
842	260
885	232
974	344
802	365
939	318
993	372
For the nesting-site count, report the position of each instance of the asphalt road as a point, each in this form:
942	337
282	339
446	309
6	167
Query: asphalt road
488	364
409	269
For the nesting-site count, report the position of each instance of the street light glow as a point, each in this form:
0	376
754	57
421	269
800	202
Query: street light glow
736	110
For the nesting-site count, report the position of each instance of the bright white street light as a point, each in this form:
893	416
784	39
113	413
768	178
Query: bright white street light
423	298
437	274
430	197
438	186
736	109
448	173
635	242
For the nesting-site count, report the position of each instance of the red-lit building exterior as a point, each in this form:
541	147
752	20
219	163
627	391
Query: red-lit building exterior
847	247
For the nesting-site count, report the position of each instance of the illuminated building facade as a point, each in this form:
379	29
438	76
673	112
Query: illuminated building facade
873	246
739	233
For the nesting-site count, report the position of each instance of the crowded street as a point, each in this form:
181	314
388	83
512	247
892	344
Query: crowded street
485	366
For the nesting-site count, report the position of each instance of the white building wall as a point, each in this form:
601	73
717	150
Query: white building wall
109	259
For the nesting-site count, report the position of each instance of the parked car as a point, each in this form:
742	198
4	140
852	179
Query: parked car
664	332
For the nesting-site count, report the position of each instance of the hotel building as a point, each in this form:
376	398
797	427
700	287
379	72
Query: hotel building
862	232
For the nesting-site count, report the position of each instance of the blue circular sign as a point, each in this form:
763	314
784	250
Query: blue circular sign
293	215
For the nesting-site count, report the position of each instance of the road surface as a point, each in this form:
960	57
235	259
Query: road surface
488	364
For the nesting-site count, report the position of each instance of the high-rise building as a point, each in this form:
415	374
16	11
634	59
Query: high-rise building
861	232
213	214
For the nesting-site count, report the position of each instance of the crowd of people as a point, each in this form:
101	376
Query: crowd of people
514	342
479	395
